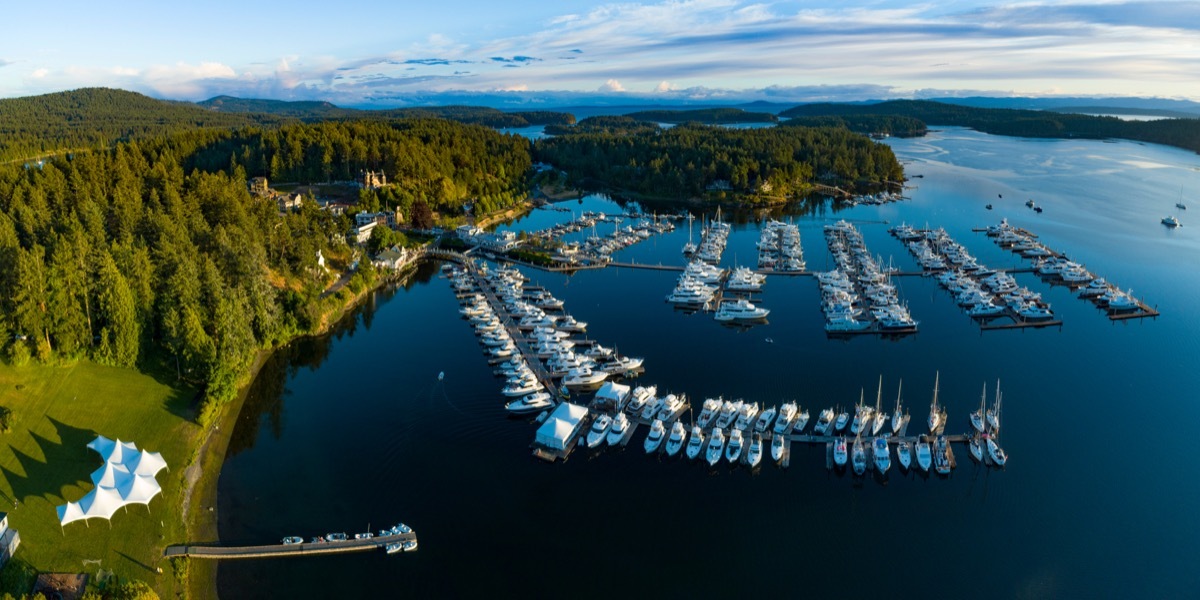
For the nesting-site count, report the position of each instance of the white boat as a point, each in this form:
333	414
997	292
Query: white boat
824	422
1171	221
883	456
764	420
522	388
655	438
616	431
756	450
599	430
676	439
652	407
904	454
696	443
529	404
409	546
897	415
839	452
993	414
746	414
733	450
976	448
997	454
711	407
801	421
740	310
842	323
778	442
880	418
394	547
977	415
924	456
637	400
935	411
716	443
584	377
670	405
729	411
292	540
842	419
941	456
858	456
783	422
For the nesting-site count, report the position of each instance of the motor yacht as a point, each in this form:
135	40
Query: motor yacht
941	456
616	431
696	443
733	450
756	450
824	422
858	456
676	439
599	430
843	418
716	443
904	454
745	415
522	388
584	377
655	438
778	443
1171	221
529	404
729	411
670	405
638	398
765	419
783	422
711	407
652	407
839	452
801	421
883	456
845	323
740	310
924	456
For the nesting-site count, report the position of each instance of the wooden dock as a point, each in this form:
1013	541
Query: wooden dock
222	552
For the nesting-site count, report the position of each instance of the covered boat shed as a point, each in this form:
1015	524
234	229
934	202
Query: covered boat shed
561	426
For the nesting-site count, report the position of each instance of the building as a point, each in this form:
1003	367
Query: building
383	218
9	540
258	186
336	208
500	241
289	202
362	233
393	258
468	233
562	425
372	180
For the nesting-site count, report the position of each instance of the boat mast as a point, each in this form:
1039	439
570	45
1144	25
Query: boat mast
901	387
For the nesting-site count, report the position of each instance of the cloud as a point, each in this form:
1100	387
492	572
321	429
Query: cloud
515	59
5	63
663	87
39	73
612	85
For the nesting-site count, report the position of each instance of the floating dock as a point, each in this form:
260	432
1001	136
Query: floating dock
222	552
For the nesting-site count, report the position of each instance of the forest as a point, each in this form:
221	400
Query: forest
153	254
686	161
1181	133
311	111
708	116
893	125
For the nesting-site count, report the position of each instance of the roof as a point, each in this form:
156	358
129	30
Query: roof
613	391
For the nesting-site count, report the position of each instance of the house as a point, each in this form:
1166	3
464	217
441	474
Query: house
468	233
361	233
393	258
383	218
289	202
336	208
372	181
9	540
258	186
500	241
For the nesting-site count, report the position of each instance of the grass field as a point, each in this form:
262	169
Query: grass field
44	462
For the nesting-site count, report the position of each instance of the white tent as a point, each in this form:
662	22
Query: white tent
560	426
146	463
111	475
140	489
613	392
102	445
101	503
120	452
70	512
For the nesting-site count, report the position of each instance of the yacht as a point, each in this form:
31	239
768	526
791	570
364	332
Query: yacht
599	430
728	411
292	540
897	415
976	448
621	365
783	422
977	415
842	323
862	417
858	456
924	456
584	377
655	438
637	400
824	422
1034	312
778	442
935	411
712	406
652	407
883	456
839	451
716	443
993	414
670	405
675	441
756	450
522	388
733	450
616	431
1171	221
394	547
335	537
695	444
530	403
740	310
409	546
842	419
746	415
941	456
764	420
904	454
997	454
801	421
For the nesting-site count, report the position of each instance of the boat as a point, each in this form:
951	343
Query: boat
880	417
599	430
860	415
364	536
1171	221
716	443
677	438
740	310
670	405
924	456
839	451
746	415
941	456
904	454
975	445
711	407
1180	206
530	403
695	444
584	377
756	450
728	411
778	443
394	548
883	456
522	388
858	456
977	415
652	407
733	450
897	415
764	420
409	546
997	454
637	400
616	431
935	412
800	422
842	419
655	438
824	422
783	422
993	414
335	537
292	540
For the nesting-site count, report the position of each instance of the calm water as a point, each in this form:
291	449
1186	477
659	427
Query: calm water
1097	501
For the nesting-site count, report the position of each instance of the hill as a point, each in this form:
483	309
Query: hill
319	111
708	116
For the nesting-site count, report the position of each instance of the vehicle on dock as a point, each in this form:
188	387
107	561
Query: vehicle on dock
711	407
783	421
676	439
840	454
410	545
765	419
801	421
883	456
364	536
924	456
393	548
655	438
335	537
733	450
756	449
858	456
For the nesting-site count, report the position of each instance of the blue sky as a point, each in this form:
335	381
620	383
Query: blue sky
353	52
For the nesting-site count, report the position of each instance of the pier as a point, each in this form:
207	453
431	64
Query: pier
223	552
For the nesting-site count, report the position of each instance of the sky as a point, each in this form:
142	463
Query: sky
355	52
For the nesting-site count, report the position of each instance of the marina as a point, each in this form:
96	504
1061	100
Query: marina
390	541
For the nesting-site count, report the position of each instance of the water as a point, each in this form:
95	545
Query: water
1097	499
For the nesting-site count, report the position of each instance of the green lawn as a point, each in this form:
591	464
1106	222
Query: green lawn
44	462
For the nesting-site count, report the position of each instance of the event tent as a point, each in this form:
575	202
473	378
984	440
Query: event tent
111	475
101	503
140	489
146	463
560	426
613	392
126	477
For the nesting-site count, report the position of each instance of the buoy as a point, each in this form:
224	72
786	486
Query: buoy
441	375
770	341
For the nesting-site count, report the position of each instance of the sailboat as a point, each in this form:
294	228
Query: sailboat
976	448
977	416
690	247
998	455
935	412
993	414
858	456
897	415
880	416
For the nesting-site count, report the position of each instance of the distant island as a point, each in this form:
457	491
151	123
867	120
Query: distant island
707	116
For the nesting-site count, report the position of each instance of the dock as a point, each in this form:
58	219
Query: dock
224	552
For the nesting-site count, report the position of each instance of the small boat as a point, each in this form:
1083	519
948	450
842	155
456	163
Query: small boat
997	454
756	450
409	546
596	435
839	451
842	419
883	456
989	207
292	540
676	439
695	444
904	454
1171	221
364	536
935	412
924	456
976	448
977	415
941	456
824	422
335	537
858	456
655	438
733	450
778	442
801	421
441	375
616	431
716	443
1180	206
394	548
764	420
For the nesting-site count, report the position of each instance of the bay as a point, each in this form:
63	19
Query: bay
1097	499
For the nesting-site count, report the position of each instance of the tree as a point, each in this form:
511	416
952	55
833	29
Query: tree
422	215
116	312
382	238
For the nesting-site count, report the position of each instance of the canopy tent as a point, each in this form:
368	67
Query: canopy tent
111	475
146	463
613	392
560	426
127	477
102	445
120	452
140	489
101	503
70	512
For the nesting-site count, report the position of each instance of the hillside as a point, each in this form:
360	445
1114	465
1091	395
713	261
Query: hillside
319	111
708	116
